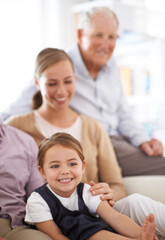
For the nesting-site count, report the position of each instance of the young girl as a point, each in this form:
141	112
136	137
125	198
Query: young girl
64	208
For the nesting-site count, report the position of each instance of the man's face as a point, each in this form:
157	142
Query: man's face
98	42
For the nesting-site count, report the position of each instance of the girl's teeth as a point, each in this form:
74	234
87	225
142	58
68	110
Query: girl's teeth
65	180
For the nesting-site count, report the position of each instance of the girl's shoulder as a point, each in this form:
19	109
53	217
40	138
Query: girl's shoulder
36	200
92	202
37	210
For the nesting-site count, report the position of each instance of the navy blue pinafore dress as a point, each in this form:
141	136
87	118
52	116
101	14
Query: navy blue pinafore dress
78	224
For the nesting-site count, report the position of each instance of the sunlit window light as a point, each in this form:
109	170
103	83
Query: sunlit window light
158	5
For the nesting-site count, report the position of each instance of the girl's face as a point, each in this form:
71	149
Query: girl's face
62	169
57	85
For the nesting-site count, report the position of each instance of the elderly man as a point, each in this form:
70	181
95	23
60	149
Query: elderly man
99	94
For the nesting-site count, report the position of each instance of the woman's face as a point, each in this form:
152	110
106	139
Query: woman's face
57	85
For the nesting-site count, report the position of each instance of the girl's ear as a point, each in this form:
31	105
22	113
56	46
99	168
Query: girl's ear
42	172
83	166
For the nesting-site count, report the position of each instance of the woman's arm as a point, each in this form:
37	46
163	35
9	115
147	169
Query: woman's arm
101	162
102	188
109	170
51	229
119	222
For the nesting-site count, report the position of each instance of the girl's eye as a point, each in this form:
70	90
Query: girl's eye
68	81
55	166
73	164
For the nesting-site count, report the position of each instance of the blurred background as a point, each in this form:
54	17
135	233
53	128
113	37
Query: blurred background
28	26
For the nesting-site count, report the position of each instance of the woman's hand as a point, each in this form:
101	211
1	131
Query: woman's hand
102	188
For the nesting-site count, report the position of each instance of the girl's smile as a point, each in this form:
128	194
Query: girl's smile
65	180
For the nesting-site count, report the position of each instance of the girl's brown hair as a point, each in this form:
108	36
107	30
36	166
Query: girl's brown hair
63	139
46	58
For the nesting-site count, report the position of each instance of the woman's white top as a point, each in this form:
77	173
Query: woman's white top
47	129
37	210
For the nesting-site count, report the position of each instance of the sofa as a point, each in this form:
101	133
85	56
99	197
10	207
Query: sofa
150	186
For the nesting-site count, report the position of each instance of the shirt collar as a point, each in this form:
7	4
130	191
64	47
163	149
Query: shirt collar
79	61
62	198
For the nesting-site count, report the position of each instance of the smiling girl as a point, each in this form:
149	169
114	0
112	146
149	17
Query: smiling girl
64	208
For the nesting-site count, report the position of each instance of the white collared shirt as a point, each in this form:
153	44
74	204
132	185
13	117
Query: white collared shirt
104	100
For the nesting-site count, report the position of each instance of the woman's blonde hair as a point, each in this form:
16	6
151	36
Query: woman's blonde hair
46	58
63	139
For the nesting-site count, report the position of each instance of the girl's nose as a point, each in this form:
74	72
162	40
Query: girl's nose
65	170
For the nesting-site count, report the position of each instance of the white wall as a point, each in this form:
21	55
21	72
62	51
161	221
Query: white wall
58	22
20	41
26	28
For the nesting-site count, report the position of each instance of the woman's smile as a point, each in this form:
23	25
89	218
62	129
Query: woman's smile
61	100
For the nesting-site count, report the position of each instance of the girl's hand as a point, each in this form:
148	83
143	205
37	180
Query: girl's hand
102	188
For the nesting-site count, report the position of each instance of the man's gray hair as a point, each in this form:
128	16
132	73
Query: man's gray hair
84	19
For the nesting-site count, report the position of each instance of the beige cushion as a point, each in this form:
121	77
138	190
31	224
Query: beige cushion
150	186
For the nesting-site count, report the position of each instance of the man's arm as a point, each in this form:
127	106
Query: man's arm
136	135
35	180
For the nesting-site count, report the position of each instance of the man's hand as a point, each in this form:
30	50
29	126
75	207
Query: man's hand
102	188
152	148
1	238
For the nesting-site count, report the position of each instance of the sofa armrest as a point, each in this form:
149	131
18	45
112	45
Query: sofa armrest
150	186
